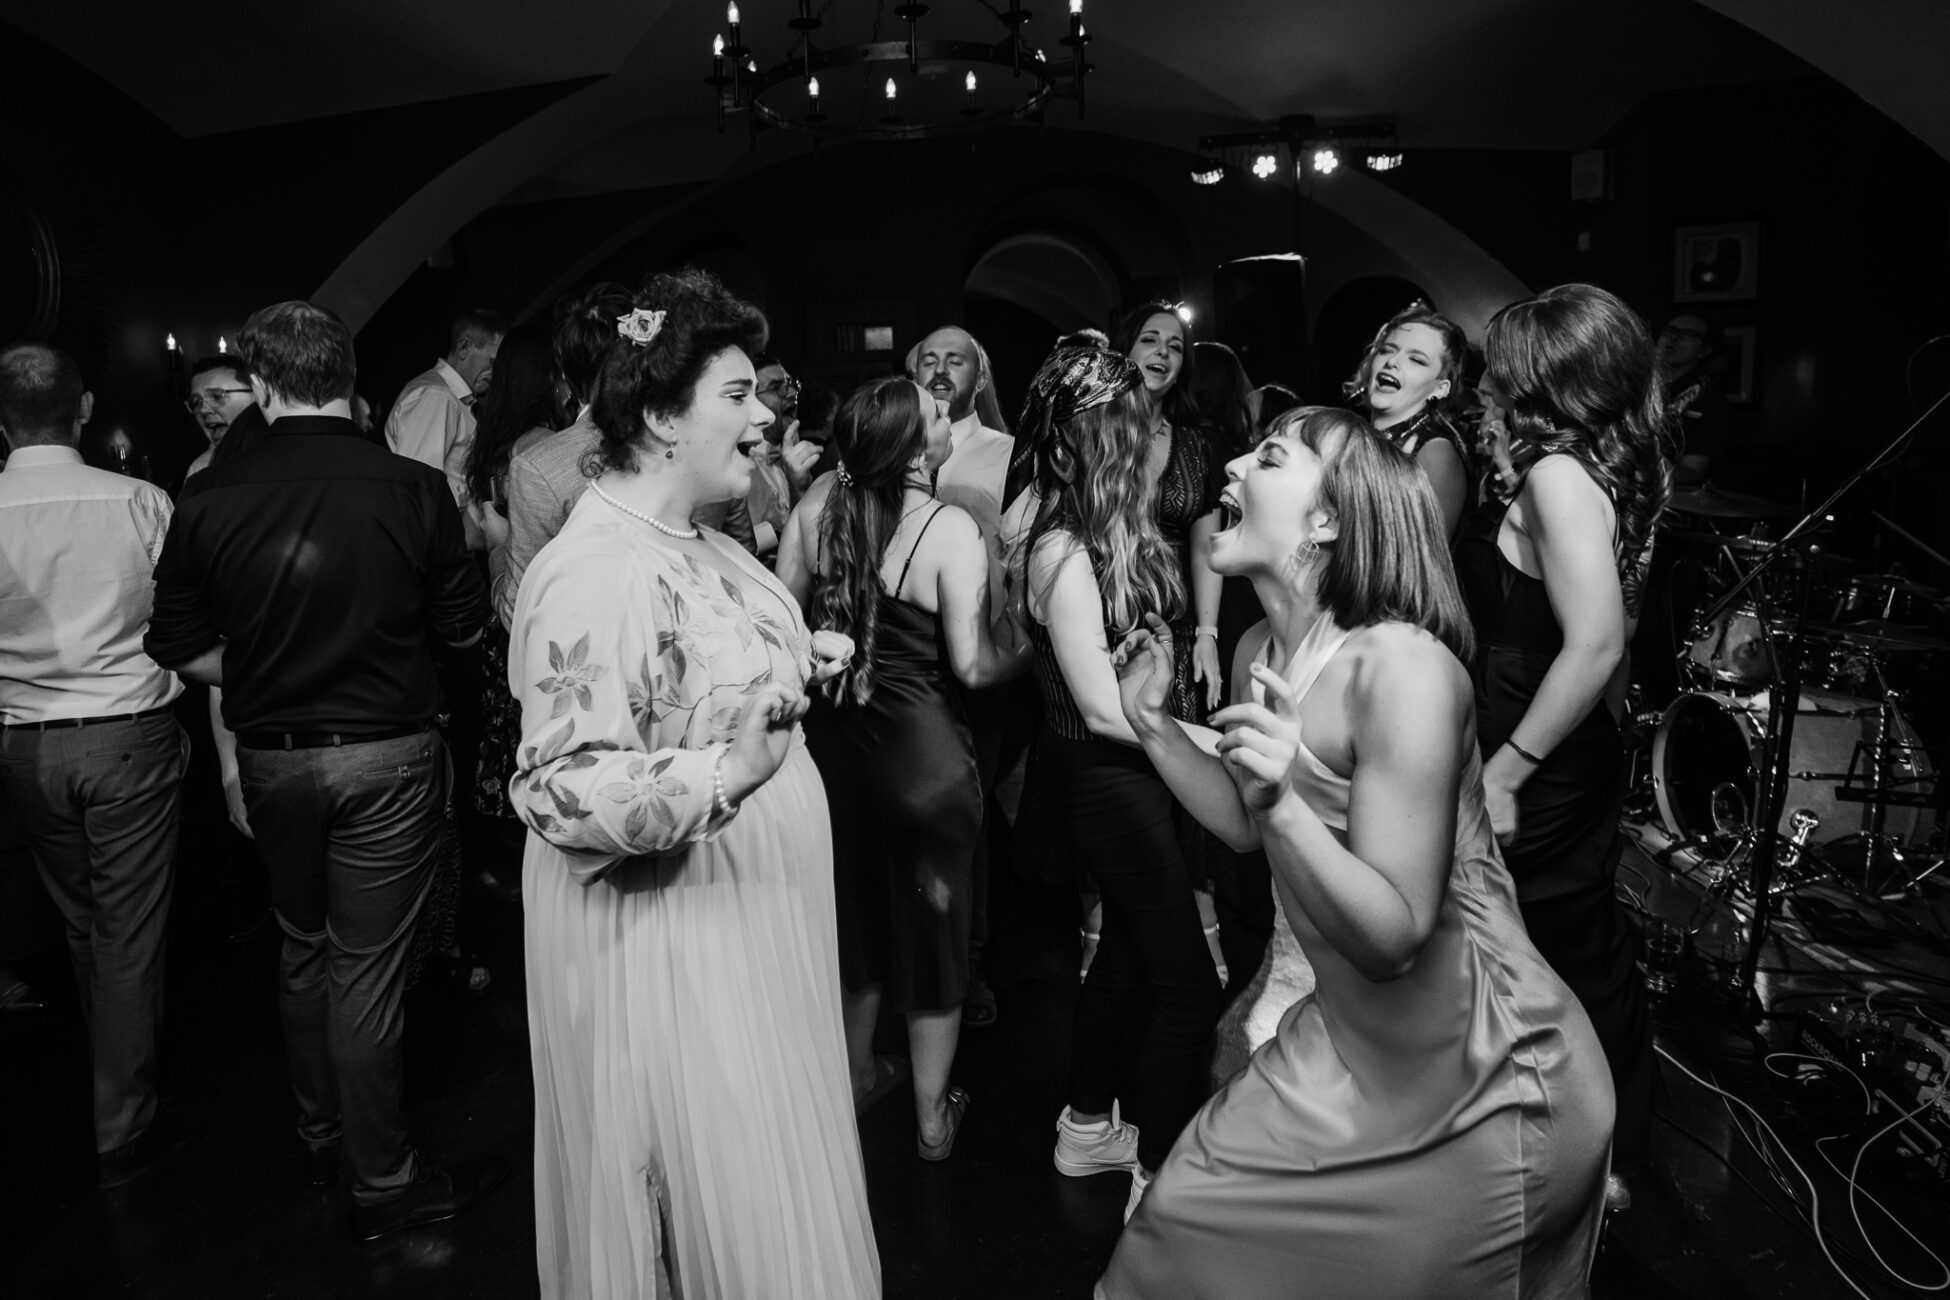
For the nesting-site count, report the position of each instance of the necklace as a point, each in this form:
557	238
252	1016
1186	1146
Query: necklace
682	534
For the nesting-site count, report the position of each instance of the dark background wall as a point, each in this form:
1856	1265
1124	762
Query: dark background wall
162	235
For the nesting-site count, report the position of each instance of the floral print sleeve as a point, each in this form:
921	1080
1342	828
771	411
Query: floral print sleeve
631	675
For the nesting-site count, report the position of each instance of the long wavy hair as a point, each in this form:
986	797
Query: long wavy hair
1097	495
1573	370
1389	562
520	397
879	433
1178	405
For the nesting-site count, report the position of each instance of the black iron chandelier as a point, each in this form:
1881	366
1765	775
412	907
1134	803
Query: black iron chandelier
906	89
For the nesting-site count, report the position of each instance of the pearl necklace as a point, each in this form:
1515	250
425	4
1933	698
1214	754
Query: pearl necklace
681	534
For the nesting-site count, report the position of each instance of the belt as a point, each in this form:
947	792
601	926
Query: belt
321	739
55	724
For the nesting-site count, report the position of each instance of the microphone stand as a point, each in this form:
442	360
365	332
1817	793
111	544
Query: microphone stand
1783	704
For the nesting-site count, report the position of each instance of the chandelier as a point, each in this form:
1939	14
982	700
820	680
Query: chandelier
909	89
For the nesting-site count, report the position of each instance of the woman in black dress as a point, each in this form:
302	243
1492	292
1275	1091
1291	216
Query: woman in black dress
1406	385
1188	472
1553	589
869	552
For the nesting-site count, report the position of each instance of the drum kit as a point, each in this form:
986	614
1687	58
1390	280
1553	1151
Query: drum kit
1861	808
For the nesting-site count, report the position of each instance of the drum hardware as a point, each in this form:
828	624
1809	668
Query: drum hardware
1716	503
1782	710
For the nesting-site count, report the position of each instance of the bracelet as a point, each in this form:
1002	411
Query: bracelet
723	806
1203	630
1525	754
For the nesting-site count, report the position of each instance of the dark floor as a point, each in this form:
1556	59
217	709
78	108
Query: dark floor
226	1217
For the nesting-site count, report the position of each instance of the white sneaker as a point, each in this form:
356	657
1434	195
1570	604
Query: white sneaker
1140	1182
1086	1149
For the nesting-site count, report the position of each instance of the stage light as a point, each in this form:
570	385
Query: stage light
1264	166
1384	162
1326	161
1184	310
1210	177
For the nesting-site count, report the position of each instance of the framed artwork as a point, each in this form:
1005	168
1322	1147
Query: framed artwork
1716	263
1740	345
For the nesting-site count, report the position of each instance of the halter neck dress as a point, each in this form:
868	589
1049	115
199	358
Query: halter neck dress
1442	1135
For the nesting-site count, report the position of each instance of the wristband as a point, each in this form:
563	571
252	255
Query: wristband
1525	754
723	806
1203	630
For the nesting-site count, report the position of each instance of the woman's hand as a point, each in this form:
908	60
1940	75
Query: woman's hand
764	737
1503	776
799	459
1205	668
832	654
490	521
1144	675
1260	743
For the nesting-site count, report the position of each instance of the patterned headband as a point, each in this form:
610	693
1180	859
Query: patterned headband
1071	381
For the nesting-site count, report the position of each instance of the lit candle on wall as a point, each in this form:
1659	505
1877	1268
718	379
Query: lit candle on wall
1076	20
717	56
169	342
969	83
891	92
812	88
221	345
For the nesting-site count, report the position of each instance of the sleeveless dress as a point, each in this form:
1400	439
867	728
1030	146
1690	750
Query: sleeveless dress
1569	839
1441	1135
694	1131
901	783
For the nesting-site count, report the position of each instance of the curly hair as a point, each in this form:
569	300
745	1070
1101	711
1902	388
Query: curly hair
879	431
1094	492
1455	350
520	396
1573	367
1389	562
702	321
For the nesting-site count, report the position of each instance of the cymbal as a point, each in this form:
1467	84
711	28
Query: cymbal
1722	504
1831	561
1896	582
1878	634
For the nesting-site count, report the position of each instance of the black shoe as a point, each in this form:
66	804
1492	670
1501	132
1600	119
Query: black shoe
978	1004
320	1167
489	885
435	1196
171	1130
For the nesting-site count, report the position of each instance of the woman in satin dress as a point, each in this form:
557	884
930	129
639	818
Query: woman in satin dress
1433	1119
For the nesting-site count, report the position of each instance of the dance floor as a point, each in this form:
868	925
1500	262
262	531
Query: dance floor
228	1217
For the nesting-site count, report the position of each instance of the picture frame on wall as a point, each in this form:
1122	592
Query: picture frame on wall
1740	345
1716	263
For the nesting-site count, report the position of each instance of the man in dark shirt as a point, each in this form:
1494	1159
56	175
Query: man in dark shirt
309	580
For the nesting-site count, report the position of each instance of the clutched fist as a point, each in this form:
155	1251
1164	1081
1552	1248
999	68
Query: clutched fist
832	654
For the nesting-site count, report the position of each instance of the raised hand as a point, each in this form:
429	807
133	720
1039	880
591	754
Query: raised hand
1143	662
798	458
1260	743
763	740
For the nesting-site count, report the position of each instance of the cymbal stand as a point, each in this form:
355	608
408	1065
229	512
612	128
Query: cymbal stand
1885	860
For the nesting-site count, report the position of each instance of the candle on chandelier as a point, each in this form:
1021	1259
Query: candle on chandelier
1076	20
169	342
890	90
812	89
969	83
221	345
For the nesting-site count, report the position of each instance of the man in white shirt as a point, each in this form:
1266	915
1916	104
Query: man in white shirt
433	420
950	364
91	758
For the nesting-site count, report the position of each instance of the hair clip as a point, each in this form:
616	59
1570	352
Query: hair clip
846	479
640	326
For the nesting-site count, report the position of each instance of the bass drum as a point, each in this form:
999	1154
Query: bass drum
1708	750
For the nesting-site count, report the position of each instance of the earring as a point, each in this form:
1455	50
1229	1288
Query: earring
670	453
1307	550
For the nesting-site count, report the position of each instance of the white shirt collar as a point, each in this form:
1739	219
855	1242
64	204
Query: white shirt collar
961	429
451	377
46	453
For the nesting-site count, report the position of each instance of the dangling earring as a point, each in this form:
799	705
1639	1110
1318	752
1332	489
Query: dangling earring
670	453
1306	551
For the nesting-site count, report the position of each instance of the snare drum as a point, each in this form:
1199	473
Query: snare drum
1708	750
1734	650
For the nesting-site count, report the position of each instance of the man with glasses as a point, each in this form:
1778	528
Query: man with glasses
220	394
782	466
1689	371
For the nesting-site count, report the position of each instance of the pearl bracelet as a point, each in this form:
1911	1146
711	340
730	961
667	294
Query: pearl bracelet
723	806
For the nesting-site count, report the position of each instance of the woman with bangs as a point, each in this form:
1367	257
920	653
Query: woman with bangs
1554	589
1091	568
1406	385
871	554
1432	1119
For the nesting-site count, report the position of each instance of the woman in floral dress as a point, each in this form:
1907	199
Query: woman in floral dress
694	1129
